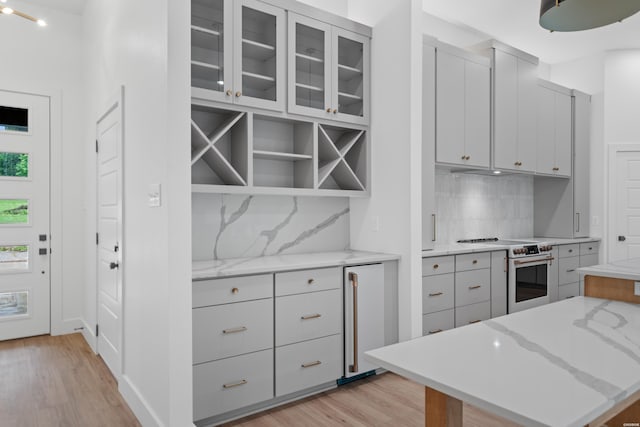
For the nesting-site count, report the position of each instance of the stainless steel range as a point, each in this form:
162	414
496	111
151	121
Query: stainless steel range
528	273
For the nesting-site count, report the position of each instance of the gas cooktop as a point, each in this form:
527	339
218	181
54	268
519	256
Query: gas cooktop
496	241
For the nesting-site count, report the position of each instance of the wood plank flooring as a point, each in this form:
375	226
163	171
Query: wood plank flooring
58	382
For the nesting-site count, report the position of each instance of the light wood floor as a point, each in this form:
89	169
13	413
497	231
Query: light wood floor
382	400
58	382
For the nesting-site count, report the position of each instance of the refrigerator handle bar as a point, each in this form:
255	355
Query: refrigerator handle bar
353	278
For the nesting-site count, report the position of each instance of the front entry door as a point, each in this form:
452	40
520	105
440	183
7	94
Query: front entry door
109	239
625	242
24	215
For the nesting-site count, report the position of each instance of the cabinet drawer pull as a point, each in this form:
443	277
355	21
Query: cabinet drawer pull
556	169
475	321
435	294
311	281
235	290
435	331
232	385
234	330
436	266
311	316
475	287
570	250
310	364
571	271
475	261
570	296
590	249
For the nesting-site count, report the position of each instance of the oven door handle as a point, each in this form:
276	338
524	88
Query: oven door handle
543	260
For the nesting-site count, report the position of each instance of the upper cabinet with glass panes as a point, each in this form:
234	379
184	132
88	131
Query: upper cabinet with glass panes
238	52
328	71
238	56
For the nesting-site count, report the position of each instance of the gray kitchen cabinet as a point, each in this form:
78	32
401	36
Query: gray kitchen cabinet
463	101
561	207
499	283
238	52
514	106
554	130
429	235
570	258
329	71
553	275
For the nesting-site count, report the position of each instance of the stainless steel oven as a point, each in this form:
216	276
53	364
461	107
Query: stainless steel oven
529	269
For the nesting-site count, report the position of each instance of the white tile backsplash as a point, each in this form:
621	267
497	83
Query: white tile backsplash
231	226
474	206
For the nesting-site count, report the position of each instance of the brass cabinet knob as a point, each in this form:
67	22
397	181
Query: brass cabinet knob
464	157
468	158
475	261
335	111
435	266
328	109
556	169
229	92
238	94
235	291
311	281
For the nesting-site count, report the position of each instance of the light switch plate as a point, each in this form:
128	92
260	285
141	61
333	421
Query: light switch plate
154	196
636	289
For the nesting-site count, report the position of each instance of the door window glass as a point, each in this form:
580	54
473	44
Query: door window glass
14	258
14	119
14	211
14	165
14	304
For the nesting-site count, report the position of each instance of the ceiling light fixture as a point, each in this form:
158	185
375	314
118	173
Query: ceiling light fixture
9	11
578	15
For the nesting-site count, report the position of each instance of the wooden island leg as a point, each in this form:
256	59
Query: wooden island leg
441	410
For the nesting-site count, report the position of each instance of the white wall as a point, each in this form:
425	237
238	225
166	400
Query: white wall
396	106
47	61
339	7
127	43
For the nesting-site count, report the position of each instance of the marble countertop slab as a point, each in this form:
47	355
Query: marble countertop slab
464	248
562	364
271	264
627	269
561	241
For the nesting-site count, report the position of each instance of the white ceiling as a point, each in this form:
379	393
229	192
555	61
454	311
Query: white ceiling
515	22
70	6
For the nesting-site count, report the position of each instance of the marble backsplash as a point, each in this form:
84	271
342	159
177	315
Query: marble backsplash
232	226
474	206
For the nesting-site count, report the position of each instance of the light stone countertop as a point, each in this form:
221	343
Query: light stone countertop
539	367
276	263
628	269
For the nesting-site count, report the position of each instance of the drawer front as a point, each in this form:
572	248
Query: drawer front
588	260
234	289
473	313
473	286
475	261
569	250
438	265
307	364
589	248
232	329
437	322
232	383
437	293
308	316
567	270
568	291
298	282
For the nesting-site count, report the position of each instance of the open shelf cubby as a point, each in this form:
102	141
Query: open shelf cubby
283	152
342	158
219	146
258	54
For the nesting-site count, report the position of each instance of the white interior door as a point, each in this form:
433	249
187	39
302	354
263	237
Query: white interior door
625	231
24	215
109	238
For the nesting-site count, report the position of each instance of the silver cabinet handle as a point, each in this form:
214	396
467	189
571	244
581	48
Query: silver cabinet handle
433	227
234	330
310	364
232	385
577	221
311	316
353	277
435	294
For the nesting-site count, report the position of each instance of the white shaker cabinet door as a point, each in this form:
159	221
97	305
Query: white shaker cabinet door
477	126
546	131
527	110
505	110
450	108
563	134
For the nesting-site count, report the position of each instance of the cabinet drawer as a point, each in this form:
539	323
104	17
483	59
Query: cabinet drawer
473	313
475	261
588	260
298	282
437	322
589	248
232	329
308	364
569	250
438	265
232	383
308	316
234	289
567	270
473	286
437	293
568	291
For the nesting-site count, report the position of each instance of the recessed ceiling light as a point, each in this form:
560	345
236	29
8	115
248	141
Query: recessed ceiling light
497	172
7	10
41	22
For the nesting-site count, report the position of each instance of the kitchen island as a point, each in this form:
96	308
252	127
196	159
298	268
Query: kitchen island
616	280
571	363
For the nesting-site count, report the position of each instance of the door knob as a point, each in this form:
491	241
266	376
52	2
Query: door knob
114	265
621	238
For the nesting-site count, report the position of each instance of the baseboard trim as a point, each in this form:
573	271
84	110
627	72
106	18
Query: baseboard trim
65	327
89	336
138	403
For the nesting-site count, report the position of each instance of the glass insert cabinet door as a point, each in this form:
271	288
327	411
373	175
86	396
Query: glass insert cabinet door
350	76
24	215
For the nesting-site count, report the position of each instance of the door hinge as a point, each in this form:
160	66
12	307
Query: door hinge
97	238
97	330
96	145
